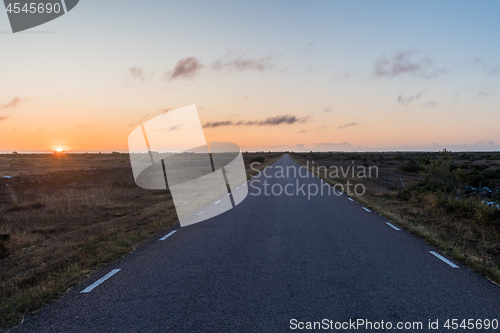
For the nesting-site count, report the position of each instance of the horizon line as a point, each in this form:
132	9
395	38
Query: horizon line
48	152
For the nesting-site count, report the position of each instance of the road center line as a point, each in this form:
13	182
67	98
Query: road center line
101	280
369	211
392	226
443	259
215	203
237	188
350	199
200	213
169	234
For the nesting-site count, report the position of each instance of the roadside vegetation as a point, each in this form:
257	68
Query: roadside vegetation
62	216
451	200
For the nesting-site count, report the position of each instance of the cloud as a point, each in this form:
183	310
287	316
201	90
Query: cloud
484	145
277	120
187	67
348	125
170	129
491	70
483	93
333	146
299	145
328	109
219	123
14	102
279	148
487	68
243	63
271	121
409	99
137	73
405	100
403	63
190	66
321	128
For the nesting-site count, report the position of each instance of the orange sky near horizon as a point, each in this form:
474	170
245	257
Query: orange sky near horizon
103	133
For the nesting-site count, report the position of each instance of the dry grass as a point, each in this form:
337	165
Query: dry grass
29	164
65	216
465	229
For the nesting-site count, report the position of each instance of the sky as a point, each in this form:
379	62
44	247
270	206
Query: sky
266	75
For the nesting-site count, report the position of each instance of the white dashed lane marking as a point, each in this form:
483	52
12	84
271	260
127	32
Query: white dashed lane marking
392	226
98	282
443	259
369	211
169	234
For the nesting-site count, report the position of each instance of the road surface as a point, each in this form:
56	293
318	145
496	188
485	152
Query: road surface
272	264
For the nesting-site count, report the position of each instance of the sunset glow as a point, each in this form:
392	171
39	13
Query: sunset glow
352	76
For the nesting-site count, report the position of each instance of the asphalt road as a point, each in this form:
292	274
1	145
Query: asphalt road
270	260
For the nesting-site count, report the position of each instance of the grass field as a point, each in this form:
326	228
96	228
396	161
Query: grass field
440	197
64	215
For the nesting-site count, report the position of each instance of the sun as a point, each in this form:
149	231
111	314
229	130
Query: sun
59	149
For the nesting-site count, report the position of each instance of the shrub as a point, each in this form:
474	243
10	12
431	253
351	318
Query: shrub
493	173
484	213
457	207
468	208
441	175
410	167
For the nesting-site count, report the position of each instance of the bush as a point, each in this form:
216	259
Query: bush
411	167
484	213
441	175
493	174
473	178
473	209
457	207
